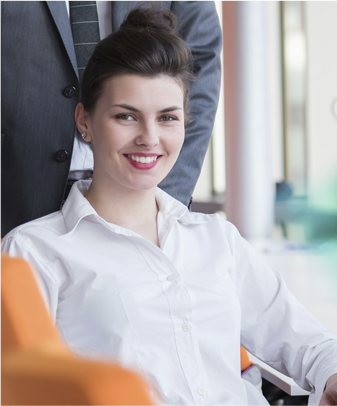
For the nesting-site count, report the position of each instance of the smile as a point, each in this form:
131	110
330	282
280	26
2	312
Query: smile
143	162
143	159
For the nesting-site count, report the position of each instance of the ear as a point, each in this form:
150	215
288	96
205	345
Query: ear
82	121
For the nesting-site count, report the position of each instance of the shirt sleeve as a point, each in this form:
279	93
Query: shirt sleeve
199	27
275	327
19	246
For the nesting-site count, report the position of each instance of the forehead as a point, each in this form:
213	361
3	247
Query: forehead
150	90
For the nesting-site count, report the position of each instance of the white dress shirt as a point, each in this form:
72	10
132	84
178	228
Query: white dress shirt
176	314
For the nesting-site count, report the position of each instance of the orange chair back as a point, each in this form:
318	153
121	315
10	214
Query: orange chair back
25	318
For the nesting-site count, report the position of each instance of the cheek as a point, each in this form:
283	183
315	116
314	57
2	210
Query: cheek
172	139
105	138
179	141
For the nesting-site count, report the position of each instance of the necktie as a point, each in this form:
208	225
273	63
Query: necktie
84	26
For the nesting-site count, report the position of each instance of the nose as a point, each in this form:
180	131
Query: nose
148	135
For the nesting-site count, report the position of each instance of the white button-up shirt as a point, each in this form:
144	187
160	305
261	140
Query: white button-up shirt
176	314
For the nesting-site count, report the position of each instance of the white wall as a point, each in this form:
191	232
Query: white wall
203	188
321	29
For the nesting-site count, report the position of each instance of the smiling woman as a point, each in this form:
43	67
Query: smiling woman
131	275
135	139
133	112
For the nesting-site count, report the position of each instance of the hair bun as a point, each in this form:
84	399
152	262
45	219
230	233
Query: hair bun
152	19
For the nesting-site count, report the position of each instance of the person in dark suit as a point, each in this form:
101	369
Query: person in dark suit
40	90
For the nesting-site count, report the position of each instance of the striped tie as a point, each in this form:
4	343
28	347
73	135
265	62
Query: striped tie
84	26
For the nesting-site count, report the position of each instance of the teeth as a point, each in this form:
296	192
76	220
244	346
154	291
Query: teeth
143	159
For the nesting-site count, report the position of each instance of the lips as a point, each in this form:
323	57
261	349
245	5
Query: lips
143	161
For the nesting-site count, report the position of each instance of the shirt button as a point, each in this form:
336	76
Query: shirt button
202	391
70	91
171	278
61	155
187	327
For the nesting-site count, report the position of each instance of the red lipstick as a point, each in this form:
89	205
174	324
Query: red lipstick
147	160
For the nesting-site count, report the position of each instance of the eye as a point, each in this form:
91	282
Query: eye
168	117
125	116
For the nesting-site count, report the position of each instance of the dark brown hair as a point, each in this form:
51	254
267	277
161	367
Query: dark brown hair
147	44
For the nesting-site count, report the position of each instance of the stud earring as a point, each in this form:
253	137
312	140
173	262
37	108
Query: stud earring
84	134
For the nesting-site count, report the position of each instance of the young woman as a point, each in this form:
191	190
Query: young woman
131	275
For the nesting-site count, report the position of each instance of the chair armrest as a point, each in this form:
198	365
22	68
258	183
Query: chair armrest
278	379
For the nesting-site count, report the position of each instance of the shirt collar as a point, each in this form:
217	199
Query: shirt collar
77	207
170	207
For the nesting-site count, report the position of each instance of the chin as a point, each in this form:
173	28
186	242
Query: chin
143	184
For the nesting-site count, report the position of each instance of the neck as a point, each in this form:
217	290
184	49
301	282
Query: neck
135	210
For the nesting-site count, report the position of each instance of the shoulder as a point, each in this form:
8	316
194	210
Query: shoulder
213	222
43	228
213	218
221	232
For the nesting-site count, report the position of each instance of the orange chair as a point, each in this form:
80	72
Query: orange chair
38	368
245	361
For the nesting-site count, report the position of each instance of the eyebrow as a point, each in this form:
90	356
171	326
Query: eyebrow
131	108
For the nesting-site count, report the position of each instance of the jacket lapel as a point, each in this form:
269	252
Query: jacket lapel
59	13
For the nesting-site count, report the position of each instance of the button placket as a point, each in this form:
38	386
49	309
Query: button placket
180	305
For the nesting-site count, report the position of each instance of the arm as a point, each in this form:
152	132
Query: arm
199	26
276	328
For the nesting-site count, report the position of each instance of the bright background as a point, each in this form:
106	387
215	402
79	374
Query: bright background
277	125
301	120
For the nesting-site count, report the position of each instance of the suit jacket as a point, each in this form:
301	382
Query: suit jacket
40	90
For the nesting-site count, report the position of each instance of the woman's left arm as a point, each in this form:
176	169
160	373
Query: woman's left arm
276	328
